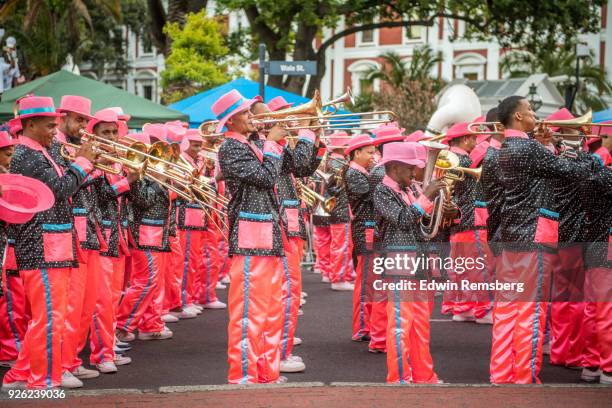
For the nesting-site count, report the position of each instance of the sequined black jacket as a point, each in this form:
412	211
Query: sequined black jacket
598	218
336	188
528	212
149	221
469	197
109	197
363	224
48	240
493	191
251	175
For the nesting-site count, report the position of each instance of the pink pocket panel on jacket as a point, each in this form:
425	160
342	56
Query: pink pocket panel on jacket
255	235
194	217
57	246
149	235
293	219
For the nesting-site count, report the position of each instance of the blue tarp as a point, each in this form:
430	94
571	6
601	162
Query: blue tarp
198	106
602	116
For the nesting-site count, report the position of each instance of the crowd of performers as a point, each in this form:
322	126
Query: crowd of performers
112	256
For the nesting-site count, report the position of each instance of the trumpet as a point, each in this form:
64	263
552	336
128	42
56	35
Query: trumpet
207	129
322	206
344	98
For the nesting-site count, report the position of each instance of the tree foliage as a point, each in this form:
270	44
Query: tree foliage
195	62
594	85
289	27
49	30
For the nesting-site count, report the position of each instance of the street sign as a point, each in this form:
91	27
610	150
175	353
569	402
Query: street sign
292	67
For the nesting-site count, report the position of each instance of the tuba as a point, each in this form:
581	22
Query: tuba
430	228
458	103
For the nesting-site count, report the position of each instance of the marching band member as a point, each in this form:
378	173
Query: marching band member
528	228
45	247
360	151
341	249
108	190
141	306
256	244
408	356
597	353
468	232
566	309
321	233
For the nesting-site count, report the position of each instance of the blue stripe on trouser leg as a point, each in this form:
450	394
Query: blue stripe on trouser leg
97	329
11	314
362	294
245	321
345	252
285	339
144	291
49	306
208	267
536	322
185	269
398	334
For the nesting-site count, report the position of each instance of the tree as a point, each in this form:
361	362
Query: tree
49	30
177	11
395	70
289	28
594	85
195	60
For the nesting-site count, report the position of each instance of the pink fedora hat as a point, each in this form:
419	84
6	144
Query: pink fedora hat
561	114
192	135
388	133
15	126
23	197
337	140
230	104
415	136
6	140
156	130
358	142
175	133
77	104
404	152
278	103
455	131
32	106
120	114
102	116
178	123
140	137
121	123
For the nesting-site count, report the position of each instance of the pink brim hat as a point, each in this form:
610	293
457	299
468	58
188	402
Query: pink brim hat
22	198
358	142
6	140
403	152
76	104
32	106
457	130
415	136
229	105
192	135
278	103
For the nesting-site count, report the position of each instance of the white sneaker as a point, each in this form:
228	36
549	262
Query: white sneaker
70	381
162	335
292	366
281	380
325	279
169	318
220	285
300	312
486	319
605	379
297	341
302	302
293	357
194	309
16	385
198	306
107	367
83	373
122	360
217	304
590	375
225	279
7	363
184	314
304	294
126	337
122	344
464	317
346	286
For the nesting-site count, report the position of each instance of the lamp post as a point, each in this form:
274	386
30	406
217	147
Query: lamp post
534	99
582	52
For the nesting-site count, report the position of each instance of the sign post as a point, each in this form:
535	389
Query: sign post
296	68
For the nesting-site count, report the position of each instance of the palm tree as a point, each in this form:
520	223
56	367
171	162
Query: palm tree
595	86
51	29
394	70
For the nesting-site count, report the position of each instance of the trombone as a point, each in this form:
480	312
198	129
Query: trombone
322	206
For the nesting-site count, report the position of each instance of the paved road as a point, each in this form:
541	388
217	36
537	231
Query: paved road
197	353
